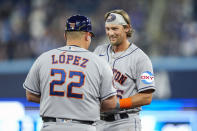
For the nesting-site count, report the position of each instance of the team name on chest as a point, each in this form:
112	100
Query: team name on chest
119	77
69	59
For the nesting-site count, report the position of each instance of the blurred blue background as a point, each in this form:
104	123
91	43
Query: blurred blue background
165	29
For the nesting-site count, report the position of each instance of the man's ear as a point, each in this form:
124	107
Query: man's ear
87	36
127	28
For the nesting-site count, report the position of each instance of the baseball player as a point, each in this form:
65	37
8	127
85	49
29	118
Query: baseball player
132	74
70	82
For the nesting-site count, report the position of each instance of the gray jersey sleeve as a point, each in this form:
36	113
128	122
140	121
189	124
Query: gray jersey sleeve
97	50
101	50
107	88
32	80
144	74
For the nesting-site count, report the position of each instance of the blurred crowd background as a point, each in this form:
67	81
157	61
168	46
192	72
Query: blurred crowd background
162	27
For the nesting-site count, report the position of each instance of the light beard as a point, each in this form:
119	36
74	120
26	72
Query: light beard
115	44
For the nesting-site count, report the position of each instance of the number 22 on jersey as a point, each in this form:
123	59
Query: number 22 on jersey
70	85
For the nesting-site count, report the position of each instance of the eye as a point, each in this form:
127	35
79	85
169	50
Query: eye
107	29
114	28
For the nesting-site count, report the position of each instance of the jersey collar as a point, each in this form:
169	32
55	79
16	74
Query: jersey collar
131	48
73	48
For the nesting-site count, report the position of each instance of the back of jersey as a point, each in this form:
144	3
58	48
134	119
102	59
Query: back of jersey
71	81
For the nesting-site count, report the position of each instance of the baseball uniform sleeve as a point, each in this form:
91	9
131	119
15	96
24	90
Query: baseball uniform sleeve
101	50
144	74
107	88
96	51
32	80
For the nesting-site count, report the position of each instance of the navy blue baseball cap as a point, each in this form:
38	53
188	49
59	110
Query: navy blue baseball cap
79	23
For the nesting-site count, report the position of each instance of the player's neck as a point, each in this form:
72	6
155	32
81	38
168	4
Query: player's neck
76	43
121	47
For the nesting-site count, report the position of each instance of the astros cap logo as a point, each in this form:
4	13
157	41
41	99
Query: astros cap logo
116	19
111	18
72	25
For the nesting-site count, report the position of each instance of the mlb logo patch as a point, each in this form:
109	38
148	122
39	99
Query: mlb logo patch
147	77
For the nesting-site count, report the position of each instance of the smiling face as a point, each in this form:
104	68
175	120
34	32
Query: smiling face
116	33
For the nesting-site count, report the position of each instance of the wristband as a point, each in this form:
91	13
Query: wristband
125	103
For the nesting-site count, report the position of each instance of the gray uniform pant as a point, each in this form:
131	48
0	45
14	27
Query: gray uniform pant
67	126
133	123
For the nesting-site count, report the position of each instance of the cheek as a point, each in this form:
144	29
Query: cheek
119	35
108	33
122	34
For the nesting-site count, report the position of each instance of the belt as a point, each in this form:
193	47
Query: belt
52	119
113	117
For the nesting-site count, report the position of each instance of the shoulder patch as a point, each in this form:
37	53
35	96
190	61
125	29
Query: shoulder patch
147	77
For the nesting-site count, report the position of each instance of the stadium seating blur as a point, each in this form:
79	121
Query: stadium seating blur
162	28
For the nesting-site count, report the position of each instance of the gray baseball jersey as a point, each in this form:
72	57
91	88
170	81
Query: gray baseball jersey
132	71
71	81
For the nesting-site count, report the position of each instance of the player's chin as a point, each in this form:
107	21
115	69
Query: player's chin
114	43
